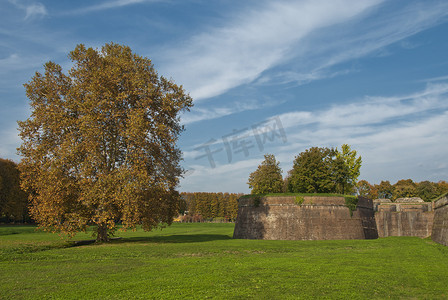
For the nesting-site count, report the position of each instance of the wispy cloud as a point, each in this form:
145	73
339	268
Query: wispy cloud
222	58
108	5
368	34
432	79
32	10
226	177
249	45
350	119
198	114
407	132
373	110
35	10
376	31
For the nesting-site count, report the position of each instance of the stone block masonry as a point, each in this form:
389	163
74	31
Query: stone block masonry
406	217
313	218
440	225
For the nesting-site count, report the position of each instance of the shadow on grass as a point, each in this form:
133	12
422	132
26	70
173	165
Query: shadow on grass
176	238
11	252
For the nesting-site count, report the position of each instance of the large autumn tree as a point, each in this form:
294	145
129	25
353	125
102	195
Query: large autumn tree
100	144
267	178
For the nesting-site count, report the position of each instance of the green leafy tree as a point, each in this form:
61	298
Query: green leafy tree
267	178
100	144
427	190
347	176
312	172
442	187
341	175
385	190
285	187
404	188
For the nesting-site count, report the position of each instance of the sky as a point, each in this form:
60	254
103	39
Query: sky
274	77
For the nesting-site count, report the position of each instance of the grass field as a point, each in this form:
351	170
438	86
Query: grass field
202	261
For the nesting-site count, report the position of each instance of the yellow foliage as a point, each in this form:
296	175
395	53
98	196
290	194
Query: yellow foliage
100	144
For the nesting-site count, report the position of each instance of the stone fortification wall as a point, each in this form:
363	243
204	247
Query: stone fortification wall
365	212
440	226
315	218
404	217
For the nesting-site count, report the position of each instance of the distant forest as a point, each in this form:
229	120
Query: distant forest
198	207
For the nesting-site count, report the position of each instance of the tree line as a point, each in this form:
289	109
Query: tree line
330	170
315	170
198	207
404	188
100	147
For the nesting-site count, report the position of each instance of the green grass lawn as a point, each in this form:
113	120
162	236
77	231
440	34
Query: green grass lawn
202	261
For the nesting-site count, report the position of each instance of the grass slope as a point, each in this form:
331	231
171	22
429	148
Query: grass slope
196	261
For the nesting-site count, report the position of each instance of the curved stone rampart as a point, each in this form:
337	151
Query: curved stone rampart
303	218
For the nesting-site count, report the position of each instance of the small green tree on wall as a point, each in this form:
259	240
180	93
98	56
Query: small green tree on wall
347	167
267	178
325	170
312	172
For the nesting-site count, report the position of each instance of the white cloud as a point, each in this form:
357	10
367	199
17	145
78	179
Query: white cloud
226	177
440	78
32	10
316	55
201	114
35	10
398	137
385	30
289	34
109	5
372	110
198	113
222	58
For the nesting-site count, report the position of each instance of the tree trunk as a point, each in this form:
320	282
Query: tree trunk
101	234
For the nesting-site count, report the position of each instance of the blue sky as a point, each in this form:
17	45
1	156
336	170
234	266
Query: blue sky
266	77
